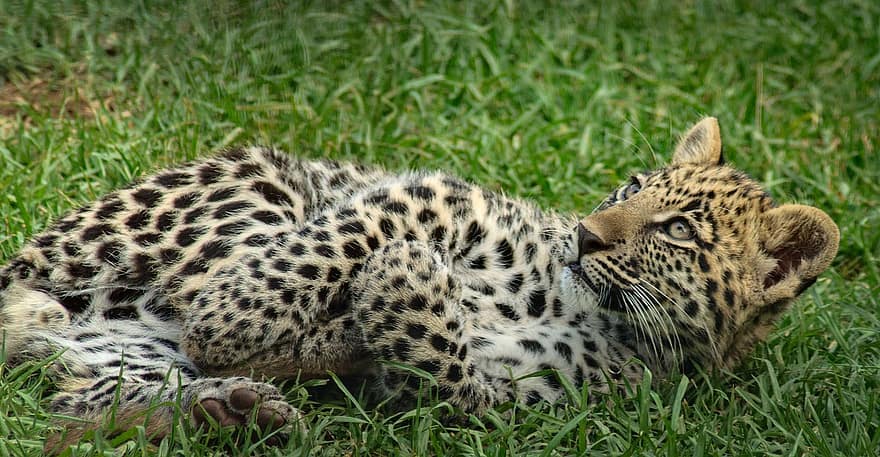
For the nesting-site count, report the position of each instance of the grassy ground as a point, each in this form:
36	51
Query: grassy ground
556	101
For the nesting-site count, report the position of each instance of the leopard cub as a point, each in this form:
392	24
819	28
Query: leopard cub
199	281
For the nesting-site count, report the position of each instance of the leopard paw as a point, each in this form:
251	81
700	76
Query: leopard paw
238	401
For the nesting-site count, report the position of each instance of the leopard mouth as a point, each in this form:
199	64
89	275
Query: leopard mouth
578	271
610	296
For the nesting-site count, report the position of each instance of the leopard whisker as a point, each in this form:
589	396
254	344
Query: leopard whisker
659	326
641	324
638	329
604	293
670	333
643	321
716	354
649	312
680	356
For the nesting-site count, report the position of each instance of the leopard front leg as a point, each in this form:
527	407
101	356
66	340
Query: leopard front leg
287	310
284	310
409	306
263	315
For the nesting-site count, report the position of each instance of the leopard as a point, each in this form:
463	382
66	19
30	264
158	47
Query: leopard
199	285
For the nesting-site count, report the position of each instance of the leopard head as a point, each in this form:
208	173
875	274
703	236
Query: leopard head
697	257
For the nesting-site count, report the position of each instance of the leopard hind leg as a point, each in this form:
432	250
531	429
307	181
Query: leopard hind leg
114	368
26	314
115	374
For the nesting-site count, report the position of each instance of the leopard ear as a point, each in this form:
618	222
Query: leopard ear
701	145
799	243
803	241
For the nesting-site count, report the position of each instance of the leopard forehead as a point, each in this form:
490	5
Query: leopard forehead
717	200
709	182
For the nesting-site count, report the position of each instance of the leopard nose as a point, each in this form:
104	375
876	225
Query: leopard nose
589	242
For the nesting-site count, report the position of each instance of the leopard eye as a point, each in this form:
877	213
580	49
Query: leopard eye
632	189
679	229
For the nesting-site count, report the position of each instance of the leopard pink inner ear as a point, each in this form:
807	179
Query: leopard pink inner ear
788	258
803	240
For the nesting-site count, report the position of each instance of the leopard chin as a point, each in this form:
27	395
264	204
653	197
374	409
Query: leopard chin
576	292
602	295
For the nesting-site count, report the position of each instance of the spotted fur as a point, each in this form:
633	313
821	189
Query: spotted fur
256	263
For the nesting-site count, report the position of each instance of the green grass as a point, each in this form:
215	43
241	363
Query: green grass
554	101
